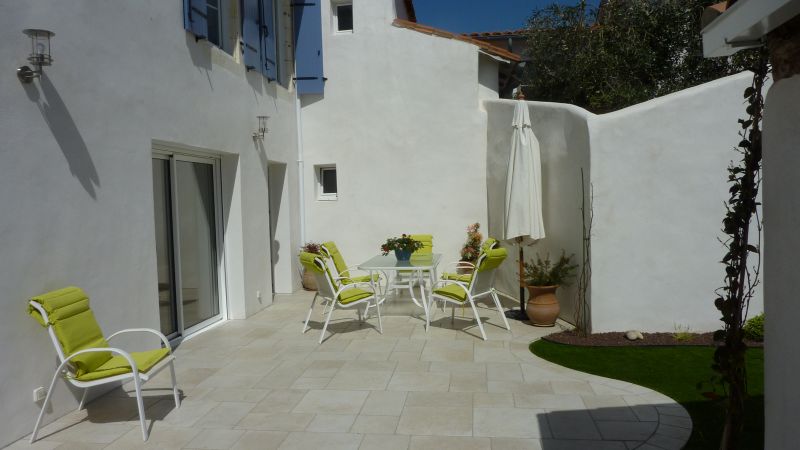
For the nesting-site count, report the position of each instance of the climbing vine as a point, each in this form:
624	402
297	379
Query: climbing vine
740	224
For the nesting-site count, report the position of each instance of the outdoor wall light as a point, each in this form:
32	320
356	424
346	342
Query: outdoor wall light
40	54
262	128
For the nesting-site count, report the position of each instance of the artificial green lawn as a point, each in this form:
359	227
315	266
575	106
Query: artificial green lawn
675	372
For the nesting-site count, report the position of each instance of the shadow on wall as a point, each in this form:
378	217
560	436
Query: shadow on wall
66	133
200	52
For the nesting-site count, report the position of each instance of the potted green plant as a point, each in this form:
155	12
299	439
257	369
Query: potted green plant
402	246
471	248
543	277
309	282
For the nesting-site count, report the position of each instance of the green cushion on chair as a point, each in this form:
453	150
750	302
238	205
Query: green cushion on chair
353	295
307	261
462	277
74	325
361	279
453	291
336	256
118	365
427	243
494	257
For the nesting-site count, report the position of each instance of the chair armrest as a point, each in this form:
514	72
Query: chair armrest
118	351
144	330
458	265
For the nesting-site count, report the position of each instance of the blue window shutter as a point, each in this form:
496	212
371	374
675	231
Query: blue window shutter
308	46
251	42
269	66
194	18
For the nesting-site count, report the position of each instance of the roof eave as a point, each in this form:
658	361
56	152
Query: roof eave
745	25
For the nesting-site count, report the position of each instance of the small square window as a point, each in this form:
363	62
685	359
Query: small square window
326	177
344	16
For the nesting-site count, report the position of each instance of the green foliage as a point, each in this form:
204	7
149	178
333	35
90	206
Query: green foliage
625	53
472	247
402	243
542	272
674	371
682	333
754	328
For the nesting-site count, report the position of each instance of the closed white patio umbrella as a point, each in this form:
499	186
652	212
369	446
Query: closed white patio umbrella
523	195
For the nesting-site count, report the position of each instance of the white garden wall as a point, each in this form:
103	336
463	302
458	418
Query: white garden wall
659	175
76	178
401	120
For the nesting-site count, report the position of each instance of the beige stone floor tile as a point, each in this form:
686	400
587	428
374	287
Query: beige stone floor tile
510	422
492	400
468	382
500	443
275	421
161	437
571	387
580	444
216	439
419	381
441	421
95	433
373	356
236	395
280	401
80	446
457	399
331	402
458	367
384	403
504	372
261	440
375	424
328	441
627	431
369	380
446	354
225	415
405	356
384	442
42	444
549	401
323	369
449	443
310	383
412	366
332	423
185	416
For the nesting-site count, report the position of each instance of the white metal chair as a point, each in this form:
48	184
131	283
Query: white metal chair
86	358
481	284
338	294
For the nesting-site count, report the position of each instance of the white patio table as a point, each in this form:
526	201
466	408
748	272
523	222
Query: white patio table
419	264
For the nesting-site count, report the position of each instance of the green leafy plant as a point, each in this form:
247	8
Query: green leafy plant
472	247
312	247
682	333
754	328
543	272
402	243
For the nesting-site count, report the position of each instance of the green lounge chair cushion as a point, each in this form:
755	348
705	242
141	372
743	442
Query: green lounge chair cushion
360	279
336	256
118	365
494	257
462	277
307	261
74	325
427	243
453	291
353	295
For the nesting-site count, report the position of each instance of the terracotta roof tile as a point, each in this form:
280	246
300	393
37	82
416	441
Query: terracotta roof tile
488	48
485	34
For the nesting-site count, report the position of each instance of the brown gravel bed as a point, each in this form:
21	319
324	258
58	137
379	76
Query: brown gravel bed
618	339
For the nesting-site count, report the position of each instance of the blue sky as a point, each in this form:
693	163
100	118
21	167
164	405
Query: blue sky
480	15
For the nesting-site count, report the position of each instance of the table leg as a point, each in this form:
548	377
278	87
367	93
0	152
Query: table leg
424	300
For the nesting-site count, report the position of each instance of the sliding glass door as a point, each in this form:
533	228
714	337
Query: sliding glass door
188	260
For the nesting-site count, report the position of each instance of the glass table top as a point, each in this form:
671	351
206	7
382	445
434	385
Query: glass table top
389	262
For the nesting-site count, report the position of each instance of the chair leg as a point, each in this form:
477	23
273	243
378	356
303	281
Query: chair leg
477	318
140	403
500	310
378	309
44	405
83	399
175	392
325	327
310	310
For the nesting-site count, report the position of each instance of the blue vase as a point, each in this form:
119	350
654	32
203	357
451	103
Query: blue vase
402	255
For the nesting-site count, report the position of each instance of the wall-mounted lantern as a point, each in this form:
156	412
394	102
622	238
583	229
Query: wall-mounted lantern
262	128
39	56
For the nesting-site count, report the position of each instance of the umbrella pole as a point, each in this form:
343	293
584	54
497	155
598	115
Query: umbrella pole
521	281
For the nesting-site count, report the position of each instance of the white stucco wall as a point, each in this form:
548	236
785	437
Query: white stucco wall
564	142
659	175
401	119
76	176
660	180
782	222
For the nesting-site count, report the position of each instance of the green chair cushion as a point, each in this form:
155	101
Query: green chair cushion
462	277
307	261
361	279
118	365
452	291
353	295
74	325
427	243
494	257
336	256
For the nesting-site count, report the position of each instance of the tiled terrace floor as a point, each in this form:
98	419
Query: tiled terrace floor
261	384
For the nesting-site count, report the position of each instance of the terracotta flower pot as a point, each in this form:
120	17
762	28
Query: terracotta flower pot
543	307
309	282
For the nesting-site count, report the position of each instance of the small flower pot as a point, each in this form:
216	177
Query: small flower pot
542	307
402	255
